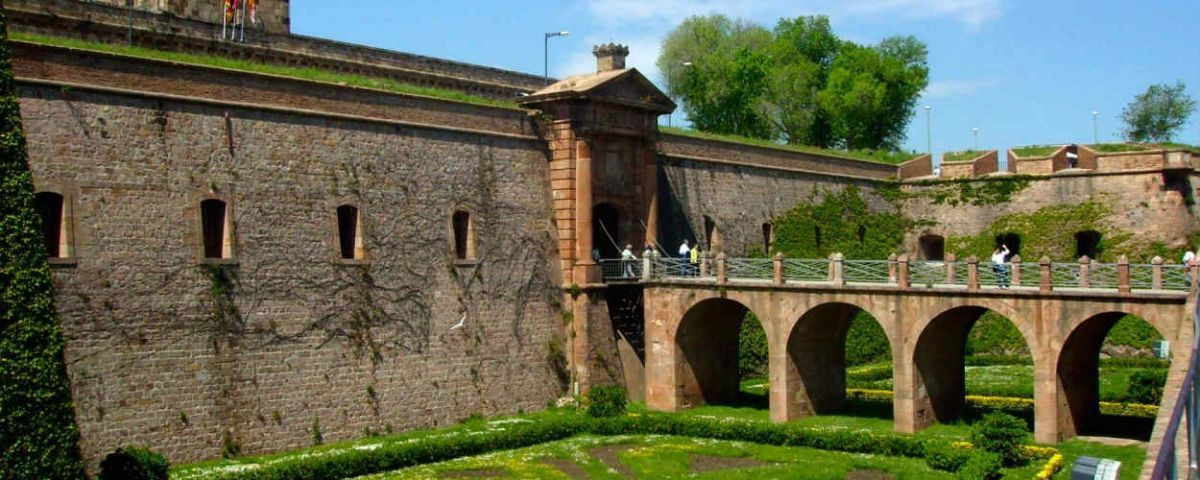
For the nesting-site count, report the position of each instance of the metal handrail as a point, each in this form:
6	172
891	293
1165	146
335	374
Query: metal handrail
615	268
1188	402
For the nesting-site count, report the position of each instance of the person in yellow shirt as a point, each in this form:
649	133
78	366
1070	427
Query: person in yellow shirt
694	260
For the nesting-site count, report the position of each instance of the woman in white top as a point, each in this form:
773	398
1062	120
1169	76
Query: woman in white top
999	255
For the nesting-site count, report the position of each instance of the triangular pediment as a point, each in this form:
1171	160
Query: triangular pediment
626	87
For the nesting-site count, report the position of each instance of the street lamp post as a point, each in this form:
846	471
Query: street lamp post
975	132
670	70
1095	128
928	131
546	53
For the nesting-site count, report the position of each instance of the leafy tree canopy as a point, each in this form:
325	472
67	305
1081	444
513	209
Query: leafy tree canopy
1156	114
799	84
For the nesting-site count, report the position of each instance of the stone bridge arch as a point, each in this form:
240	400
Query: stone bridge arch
808	375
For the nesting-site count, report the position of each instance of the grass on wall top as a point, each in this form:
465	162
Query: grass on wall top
962	156
876	156
1036	150
313	74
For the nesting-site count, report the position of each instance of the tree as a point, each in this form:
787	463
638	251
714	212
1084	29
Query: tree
38	436
799	84
1156	114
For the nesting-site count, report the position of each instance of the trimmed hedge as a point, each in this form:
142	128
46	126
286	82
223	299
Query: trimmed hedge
1146	385
38	436
982	466
392	456
1003	435
948	457
134	463
608	401
1011	404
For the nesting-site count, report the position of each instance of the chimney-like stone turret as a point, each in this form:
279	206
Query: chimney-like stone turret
610	56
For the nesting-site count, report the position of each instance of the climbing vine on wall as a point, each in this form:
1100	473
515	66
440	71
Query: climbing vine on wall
38	437
1050	231
839	221
969	191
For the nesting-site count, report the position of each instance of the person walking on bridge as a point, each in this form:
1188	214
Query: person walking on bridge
685	253
999	255
627	260
694	261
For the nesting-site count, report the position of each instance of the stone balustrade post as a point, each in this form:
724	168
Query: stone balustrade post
705	262
721	279
778	263
1016	270
950	268
838	263
1193	271
648	266
1085	266
902	272
1156	275
1123	275
1047	281
892	268
972	273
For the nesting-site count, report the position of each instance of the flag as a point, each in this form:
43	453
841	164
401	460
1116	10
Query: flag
252	6
229	8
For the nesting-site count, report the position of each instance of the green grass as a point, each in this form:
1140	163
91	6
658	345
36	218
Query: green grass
669	457
1036	150
877	156
962	156
999	380
313	74
1118	147
1184	146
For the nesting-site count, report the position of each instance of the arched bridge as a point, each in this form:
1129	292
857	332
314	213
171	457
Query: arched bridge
693	314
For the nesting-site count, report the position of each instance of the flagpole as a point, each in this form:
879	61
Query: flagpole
224	17
243	21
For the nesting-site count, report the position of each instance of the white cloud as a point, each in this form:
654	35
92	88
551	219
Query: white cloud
954	88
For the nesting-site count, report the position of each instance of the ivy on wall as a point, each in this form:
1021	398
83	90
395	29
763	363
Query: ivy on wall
968	191
839	221
38	436
1050	232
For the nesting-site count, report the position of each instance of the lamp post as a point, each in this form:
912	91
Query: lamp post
1095	128
670	70
928	131
975	132
546	53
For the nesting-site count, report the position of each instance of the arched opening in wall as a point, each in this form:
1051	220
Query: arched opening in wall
1088	243
1012	241
833	347
1111	357
970	350
862	234
214	226
350	243
606	230
933	247
817	236
712	235
464	235
50	207
709	369
768	239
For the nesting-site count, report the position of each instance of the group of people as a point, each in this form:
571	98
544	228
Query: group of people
629	265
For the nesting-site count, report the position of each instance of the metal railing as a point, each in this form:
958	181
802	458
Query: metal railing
1186	403
969	274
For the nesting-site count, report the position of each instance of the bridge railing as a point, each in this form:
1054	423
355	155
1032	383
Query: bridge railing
899	271
1187	405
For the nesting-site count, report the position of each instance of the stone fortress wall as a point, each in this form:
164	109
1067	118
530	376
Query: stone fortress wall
170	350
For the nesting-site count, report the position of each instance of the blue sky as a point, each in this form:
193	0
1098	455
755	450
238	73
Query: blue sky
1021	71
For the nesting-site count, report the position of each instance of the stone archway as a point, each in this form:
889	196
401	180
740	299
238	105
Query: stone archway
939	360
706	342
1078	380
814	372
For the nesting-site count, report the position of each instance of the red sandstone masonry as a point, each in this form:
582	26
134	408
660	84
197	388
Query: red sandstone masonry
921	166
117	71
702	149
76	19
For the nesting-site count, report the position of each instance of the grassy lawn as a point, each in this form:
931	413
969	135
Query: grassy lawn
1173	145
878	156
1118	147
313	74
962	156
1035	150
644	456
1001	380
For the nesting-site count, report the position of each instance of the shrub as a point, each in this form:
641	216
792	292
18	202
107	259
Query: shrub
1146	386
133	463
945	456
752	348
606	401
981	466
38	436
866	341
1003	435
